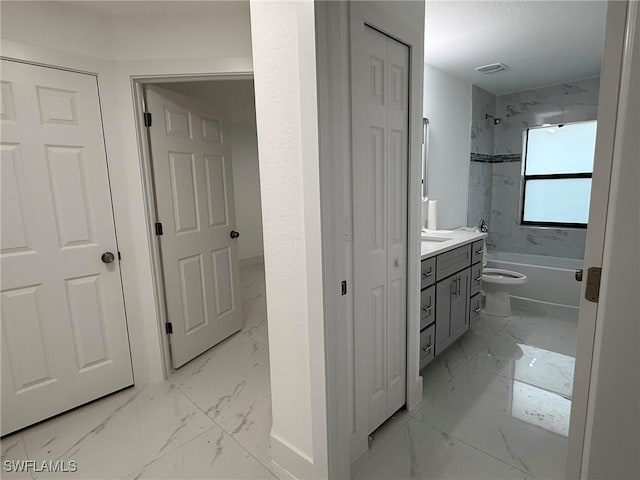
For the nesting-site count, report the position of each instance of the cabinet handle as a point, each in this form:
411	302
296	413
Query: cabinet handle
426	350
478	252
458	291
476	310
478	279
427	309
428	274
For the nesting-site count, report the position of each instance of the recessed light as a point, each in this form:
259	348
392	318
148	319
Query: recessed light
492	68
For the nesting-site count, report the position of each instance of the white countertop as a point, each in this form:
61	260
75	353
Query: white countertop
457	238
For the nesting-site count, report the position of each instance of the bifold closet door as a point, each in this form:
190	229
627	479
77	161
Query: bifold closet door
380	225
64	332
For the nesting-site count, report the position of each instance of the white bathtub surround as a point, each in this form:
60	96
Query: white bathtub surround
551	286
496	406
211	419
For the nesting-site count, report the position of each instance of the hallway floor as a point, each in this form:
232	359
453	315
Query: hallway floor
496	405
210	419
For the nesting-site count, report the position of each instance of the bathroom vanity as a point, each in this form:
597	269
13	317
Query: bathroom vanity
450	301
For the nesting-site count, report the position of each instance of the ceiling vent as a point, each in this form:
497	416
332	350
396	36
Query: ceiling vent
492	68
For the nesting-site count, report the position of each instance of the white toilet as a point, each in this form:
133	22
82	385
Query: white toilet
497	285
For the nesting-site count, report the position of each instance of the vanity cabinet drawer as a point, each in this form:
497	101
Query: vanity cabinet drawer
427	306
476	278
477	250
427	272
451	262
475	305
427	347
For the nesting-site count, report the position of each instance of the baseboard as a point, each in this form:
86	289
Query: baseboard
251	261
288	462
563	311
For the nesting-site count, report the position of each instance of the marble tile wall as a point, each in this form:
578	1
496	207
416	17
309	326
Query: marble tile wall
567	102
480	173
482	129
480	186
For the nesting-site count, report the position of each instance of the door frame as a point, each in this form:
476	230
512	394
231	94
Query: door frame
613	86
149	194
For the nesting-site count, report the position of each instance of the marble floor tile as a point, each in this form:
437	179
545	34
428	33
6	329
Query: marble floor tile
522	425
14	452
529	364
226	379
214	454
251	428
113	436
441	370
544	331
418	451
481	333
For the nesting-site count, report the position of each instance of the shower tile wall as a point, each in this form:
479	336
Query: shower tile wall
567	102
481	171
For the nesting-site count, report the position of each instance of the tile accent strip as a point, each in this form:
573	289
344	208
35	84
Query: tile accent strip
481	157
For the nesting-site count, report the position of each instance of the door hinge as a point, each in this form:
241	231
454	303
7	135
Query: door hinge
158	228
592	292
344	287
147	119
119	255
168	327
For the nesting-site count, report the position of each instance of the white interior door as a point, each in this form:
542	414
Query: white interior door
194	196
64	332
380	225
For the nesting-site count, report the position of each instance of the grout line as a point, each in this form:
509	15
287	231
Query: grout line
219	426
480	450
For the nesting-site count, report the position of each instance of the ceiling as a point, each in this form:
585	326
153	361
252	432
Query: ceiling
542	42
118	8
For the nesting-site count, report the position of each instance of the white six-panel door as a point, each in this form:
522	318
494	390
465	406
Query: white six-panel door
380	225
194	196
64	333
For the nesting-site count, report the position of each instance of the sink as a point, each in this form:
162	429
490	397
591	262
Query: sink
429	238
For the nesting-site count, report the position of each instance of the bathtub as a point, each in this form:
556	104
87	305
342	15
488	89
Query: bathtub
551	288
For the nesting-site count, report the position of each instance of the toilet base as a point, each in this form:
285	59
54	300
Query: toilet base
497	304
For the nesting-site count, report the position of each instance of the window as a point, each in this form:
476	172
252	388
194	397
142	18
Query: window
558	165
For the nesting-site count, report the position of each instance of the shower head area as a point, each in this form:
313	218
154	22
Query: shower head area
496	120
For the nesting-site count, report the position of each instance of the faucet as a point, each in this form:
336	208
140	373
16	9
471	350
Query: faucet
483	226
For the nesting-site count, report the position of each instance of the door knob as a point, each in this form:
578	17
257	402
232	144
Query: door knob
578	275
234	234
107	257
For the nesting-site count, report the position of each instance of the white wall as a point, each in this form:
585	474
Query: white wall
86	37
203	38
447	105
239	98
286	111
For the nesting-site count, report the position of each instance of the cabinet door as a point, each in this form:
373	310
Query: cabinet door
444	294
426	346
460	304
476	279
427	306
